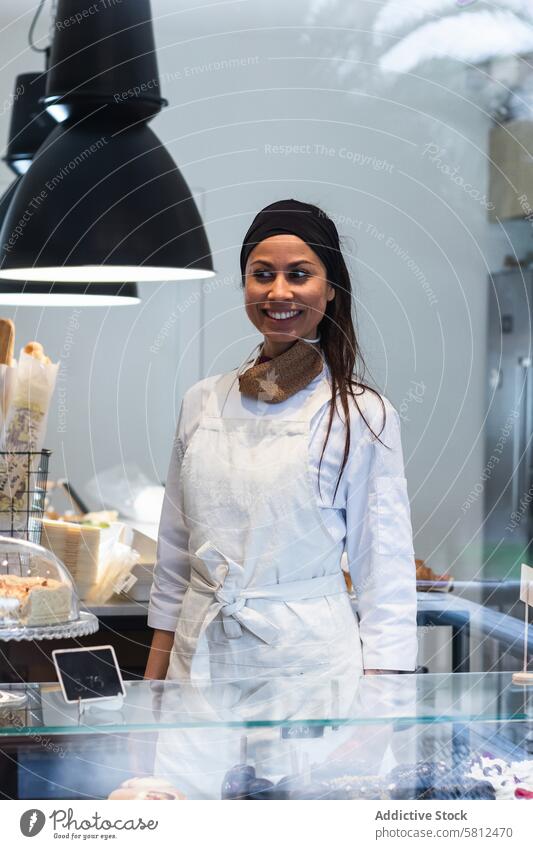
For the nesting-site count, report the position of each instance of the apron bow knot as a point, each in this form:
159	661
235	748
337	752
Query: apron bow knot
229	610
229	597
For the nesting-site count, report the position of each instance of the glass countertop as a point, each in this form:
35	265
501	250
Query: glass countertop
298	704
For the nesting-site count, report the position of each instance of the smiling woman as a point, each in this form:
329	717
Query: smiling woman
248	582
257	513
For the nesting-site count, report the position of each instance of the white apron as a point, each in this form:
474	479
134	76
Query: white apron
267	595
266	607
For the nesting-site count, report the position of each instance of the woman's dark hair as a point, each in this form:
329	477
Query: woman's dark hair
338	340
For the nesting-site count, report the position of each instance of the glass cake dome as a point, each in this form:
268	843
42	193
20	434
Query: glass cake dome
37	595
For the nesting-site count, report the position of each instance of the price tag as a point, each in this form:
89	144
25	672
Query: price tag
301	732
88	674
125	584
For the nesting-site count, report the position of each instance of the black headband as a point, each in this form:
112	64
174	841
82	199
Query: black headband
298	219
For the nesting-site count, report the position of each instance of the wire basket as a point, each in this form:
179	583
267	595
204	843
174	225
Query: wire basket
23	477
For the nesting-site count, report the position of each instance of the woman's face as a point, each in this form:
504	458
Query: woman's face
286	291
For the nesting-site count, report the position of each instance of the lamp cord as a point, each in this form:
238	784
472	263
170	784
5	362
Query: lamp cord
32	30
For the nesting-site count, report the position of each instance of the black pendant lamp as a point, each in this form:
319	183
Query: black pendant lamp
7	197
28	128
30	125
103	199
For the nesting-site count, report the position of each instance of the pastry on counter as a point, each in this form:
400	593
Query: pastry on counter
354	787
428	581
102	518
523	791
504	777
348	580
99	518
431	780
147	787
25	420
152	794
7	341
8	371
35	350
298	787
34	601
75	518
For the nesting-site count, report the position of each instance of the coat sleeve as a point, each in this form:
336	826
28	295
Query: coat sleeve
379	548
172	568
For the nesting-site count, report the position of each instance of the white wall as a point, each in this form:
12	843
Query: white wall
123	399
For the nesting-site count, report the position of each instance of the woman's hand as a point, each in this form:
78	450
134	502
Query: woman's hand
158	690
142	747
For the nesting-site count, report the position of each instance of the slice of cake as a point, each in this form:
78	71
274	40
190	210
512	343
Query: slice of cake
42	601
9	610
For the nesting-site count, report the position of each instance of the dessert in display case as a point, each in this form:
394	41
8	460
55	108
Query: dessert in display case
147	787
389	737
37	597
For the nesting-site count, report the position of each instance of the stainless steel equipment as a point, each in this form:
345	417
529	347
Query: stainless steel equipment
508	473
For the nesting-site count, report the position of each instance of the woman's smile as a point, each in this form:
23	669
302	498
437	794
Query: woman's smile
282	316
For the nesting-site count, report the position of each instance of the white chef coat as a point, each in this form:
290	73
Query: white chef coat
370	513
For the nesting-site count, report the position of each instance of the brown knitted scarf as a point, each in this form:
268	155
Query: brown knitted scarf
284	375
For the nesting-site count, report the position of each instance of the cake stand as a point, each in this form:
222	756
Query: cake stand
86	623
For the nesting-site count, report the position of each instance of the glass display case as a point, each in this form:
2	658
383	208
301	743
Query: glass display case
452	736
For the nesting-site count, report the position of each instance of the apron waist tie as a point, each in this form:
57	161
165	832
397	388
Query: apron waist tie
230	599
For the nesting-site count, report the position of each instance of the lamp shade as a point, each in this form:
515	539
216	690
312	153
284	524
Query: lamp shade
7	197
28	128
103	203
103	56
30	123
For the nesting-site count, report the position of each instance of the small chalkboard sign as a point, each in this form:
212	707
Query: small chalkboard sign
88	674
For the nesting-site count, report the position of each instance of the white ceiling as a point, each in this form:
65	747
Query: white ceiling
11	10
